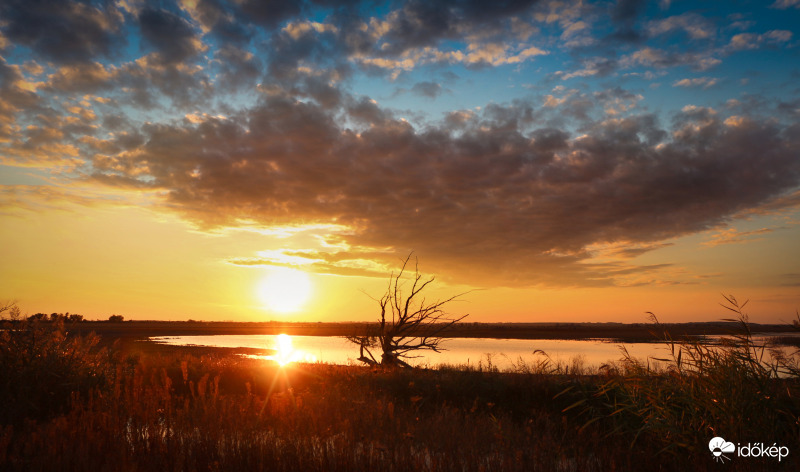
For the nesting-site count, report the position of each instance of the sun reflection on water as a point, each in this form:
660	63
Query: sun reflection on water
285	353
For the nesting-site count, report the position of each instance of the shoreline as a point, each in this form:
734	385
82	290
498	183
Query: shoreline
134	335
635	332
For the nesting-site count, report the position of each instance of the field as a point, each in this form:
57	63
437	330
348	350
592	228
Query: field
78	402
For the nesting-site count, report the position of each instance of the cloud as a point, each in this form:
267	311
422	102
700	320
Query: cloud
734	236
595	66
347	263
785	4
63	31
298	29
577	34
427	89
220	19
692	24
745	41
486	203
627	10
473	33
476	55
704	82
144	82
170	35
15	98
240	68
617	101
88	77
148	79
420	24
625	15
652	57
773	206
792	279
624	249
270	13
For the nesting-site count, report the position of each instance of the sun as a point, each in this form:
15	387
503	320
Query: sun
284	290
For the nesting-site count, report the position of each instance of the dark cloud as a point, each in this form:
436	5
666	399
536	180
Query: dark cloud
571	107
14	99
238	68
790	108
115	121
89	77
489	202
450	76
420	24
223	20
121	142
627	11
270	13
415	26
366	112
63	31
173	37
325	94
302	45
146	82
625	15
14	96
658	58
427	89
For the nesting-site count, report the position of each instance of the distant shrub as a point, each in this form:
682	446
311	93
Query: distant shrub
116	318
64	317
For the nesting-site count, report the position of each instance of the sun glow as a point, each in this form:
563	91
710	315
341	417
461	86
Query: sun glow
285	353
284	348
285	290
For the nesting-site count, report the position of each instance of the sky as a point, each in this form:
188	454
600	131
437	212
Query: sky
268	160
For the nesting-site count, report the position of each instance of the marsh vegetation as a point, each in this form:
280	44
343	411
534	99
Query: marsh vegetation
69	404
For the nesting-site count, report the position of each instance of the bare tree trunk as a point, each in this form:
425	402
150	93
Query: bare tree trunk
406	325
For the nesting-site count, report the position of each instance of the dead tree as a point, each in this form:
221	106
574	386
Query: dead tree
408	322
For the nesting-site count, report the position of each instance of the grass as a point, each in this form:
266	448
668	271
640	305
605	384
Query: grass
732	390
68	404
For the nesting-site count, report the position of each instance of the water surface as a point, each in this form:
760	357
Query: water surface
476	352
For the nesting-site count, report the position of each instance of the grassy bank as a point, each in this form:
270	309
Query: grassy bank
68	404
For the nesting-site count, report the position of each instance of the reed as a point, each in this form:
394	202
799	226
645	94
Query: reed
740	388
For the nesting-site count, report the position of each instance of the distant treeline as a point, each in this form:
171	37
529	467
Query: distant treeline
68	317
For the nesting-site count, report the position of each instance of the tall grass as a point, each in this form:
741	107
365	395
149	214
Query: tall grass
185	413
734	390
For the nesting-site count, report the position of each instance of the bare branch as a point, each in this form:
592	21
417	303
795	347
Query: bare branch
416	325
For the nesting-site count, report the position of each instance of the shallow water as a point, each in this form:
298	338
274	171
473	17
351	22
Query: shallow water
503	354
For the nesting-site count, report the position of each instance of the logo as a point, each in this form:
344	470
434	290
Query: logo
719	447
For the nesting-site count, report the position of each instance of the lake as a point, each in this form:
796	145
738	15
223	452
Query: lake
503	354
